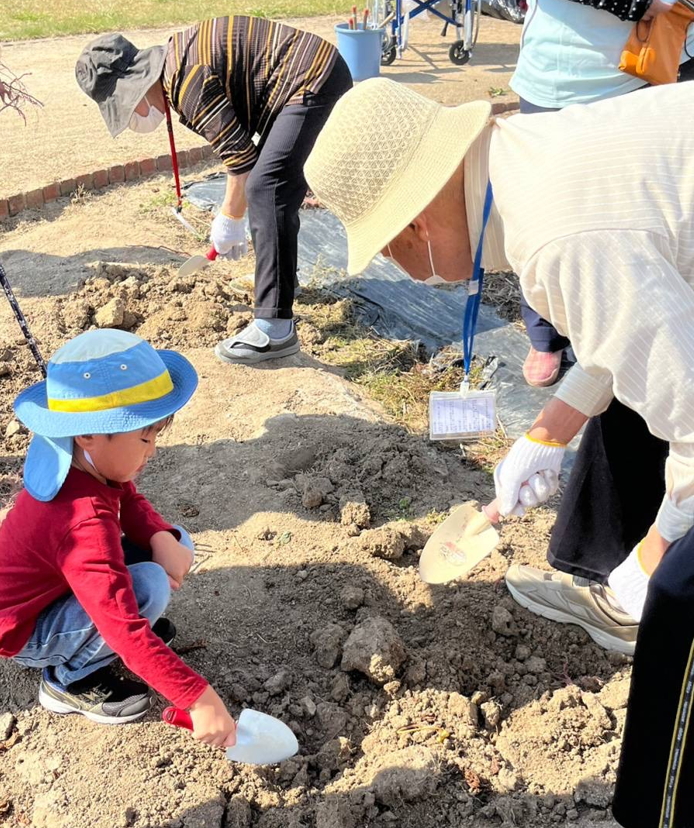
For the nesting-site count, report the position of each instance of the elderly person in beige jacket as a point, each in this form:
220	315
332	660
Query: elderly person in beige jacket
598	225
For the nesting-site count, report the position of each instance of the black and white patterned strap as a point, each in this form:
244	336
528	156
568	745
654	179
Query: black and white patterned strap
19	316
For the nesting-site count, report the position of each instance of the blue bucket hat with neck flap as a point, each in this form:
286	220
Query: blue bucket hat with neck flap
101	382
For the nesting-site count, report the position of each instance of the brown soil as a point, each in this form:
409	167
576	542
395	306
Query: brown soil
68	137
413	705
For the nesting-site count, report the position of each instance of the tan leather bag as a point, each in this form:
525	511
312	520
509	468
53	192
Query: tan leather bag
654	48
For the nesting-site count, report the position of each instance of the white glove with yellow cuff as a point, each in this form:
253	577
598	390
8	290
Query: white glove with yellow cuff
528	475
228	236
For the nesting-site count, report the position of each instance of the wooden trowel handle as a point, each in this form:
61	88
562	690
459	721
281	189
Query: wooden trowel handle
491	510
176	716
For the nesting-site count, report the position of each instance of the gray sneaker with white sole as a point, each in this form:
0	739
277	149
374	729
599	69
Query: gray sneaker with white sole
103	697
252	346
572	600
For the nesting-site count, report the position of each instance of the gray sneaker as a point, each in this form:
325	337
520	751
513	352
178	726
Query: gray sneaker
102	697
252	346
572	600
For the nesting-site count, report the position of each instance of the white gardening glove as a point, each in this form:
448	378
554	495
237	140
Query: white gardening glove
528	475
228	236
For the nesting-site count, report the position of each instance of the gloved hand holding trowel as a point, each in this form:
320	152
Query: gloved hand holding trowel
525	478
228	236
528	475
228	231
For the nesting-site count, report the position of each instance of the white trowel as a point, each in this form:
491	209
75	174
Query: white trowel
196	263
464	539
260	739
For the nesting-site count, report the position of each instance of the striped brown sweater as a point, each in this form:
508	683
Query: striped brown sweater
228	79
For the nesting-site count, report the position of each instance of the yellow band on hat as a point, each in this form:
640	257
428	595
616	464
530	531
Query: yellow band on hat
153	389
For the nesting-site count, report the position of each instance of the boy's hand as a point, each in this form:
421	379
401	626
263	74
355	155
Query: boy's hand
212	723
175	558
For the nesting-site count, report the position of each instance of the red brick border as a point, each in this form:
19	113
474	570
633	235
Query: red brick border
97	180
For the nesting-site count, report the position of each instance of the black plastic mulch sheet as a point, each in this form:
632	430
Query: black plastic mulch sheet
396	307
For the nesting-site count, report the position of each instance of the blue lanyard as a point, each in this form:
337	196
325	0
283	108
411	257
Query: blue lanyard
474	297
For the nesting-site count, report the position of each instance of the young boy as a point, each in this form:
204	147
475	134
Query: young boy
86	564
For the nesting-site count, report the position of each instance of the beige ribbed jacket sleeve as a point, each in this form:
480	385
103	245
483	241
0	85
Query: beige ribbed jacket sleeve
630	317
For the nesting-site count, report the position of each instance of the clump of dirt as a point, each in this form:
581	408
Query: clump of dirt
360	478
375	649
158	305
566	737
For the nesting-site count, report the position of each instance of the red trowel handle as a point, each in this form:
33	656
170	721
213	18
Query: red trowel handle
491	510
211	255
176	716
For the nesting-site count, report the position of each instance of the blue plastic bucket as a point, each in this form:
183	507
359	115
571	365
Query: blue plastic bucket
361	49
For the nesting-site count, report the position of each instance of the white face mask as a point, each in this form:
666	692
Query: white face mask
434	279
146	123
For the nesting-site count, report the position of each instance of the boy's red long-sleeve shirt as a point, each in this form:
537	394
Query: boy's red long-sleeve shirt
72	544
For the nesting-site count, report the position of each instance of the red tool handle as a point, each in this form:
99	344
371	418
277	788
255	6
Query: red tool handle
211	255
491	510
366	17
174	156
176	716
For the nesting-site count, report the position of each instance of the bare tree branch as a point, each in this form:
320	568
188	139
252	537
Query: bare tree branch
13	92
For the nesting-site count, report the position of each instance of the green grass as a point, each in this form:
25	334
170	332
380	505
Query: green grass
27	19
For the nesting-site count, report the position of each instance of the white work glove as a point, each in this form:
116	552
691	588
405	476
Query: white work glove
528	475
228	236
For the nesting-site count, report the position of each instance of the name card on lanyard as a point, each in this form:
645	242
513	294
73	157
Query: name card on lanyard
466	414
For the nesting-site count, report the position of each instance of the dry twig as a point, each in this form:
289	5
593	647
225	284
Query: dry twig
13	92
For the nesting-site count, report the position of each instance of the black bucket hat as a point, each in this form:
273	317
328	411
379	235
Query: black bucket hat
116	74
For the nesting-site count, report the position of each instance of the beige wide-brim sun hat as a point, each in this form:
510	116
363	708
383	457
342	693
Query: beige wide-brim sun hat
383	156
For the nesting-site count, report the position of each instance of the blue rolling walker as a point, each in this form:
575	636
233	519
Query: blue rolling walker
464	16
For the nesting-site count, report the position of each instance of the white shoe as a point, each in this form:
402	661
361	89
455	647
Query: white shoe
572	600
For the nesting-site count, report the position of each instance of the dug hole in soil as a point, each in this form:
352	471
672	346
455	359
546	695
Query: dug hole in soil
413	705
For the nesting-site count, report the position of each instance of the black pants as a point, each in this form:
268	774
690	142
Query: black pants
655	782
614	492
275	189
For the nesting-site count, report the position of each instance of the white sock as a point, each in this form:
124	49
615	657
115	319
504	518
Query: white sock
629	582
275	328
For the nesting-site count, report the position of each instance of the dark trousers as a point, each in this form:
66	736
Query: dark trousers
542	334
655	782
275	189
614	492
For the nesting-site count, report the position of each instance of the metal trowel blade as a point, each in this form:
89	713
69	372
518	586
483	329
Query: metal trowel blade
193	265
464	539
262	740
